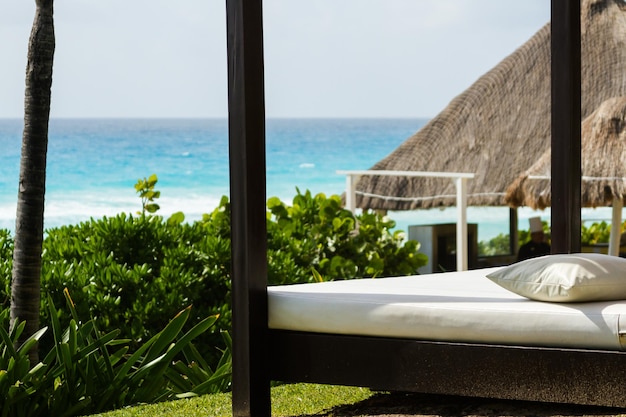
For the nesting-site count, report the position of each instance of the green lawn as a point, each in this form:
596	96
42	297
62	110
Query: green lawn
287	400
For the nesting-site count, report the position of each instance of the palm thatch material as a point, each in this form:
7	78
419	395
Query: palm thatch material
500	125
603	163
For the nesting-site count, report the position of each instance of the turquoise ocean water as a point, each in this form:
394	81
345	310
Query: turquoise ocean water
93	165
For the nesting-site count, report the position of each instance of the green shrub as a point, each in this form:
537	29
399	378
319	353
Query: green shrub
133	273
497	245
317	232
88	370
596	233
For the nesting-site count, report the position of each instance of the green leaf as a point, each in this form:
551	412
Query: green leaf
192	355
99	343
194	332
157	367
317	276
176	218
18	329
152	208
72	338
31	341
175	375
273	202
8	343
167	335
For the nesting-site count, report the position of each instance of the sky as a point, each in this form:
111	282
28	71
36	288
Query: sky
323	58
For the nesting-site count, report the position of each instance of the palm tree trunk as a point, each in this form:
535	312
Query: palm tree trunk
26	274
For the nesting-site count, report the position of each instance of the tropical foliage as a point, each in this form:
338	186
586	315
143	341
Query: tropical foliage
89	370
317	232
128	275
597	232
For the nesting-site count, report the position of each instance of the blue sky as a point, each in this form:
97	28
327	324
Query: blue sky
324	58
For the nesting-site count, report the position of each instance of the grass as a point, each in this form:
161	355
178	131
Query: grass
287	400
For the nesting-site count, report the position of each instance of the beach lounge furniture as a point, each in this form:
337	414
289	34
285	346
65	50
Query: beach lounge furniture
516	369
451	333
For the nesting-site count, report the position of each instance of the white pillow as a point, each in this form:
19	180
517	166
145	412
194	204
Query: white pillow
573	277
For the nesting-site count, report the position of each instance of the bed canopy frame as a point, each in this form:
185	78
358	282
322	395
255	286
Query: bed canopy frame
495	371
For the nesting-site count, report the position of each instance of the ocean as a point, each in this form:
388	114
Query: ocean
93	165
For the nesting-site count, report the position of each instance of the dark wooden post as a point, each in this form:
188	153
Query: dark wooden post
246	108
566	146
513	231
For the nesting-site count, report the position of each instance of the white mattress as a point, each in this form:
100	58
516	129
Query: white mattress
452	306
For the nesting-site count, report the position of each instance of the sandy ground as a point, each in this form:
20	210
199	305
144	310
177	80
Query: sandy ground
398	404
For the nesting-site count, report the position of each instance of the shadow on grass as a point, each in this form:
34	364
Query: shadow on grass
410	404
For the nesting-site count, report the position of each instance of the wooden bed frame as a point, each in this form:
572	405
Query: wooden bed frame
512	372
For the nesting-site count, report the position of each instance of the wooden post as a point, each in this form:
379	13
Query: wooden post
616	226
461	225
246	108
513	231
566	146
351	180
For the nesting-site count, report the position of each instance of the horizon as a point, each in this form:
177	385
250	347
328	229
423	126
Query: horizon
220	118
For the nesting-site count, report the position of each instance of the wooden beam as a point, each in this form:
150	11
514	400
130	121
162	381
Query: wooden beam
566	144
246	108
574	376
513	231
462	242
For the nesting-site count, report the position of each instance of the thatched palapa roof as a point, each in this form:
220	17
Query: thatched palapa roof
500	125
603	153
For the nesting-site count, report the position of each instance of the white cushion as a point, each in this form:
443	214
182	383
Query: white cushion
463	307
574	277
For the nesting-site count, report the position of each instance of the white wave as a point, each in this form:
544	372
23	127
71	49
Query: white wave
73	208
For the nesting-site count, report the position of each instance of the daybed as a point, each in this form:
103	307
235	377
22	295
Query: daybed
451	333
586	373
